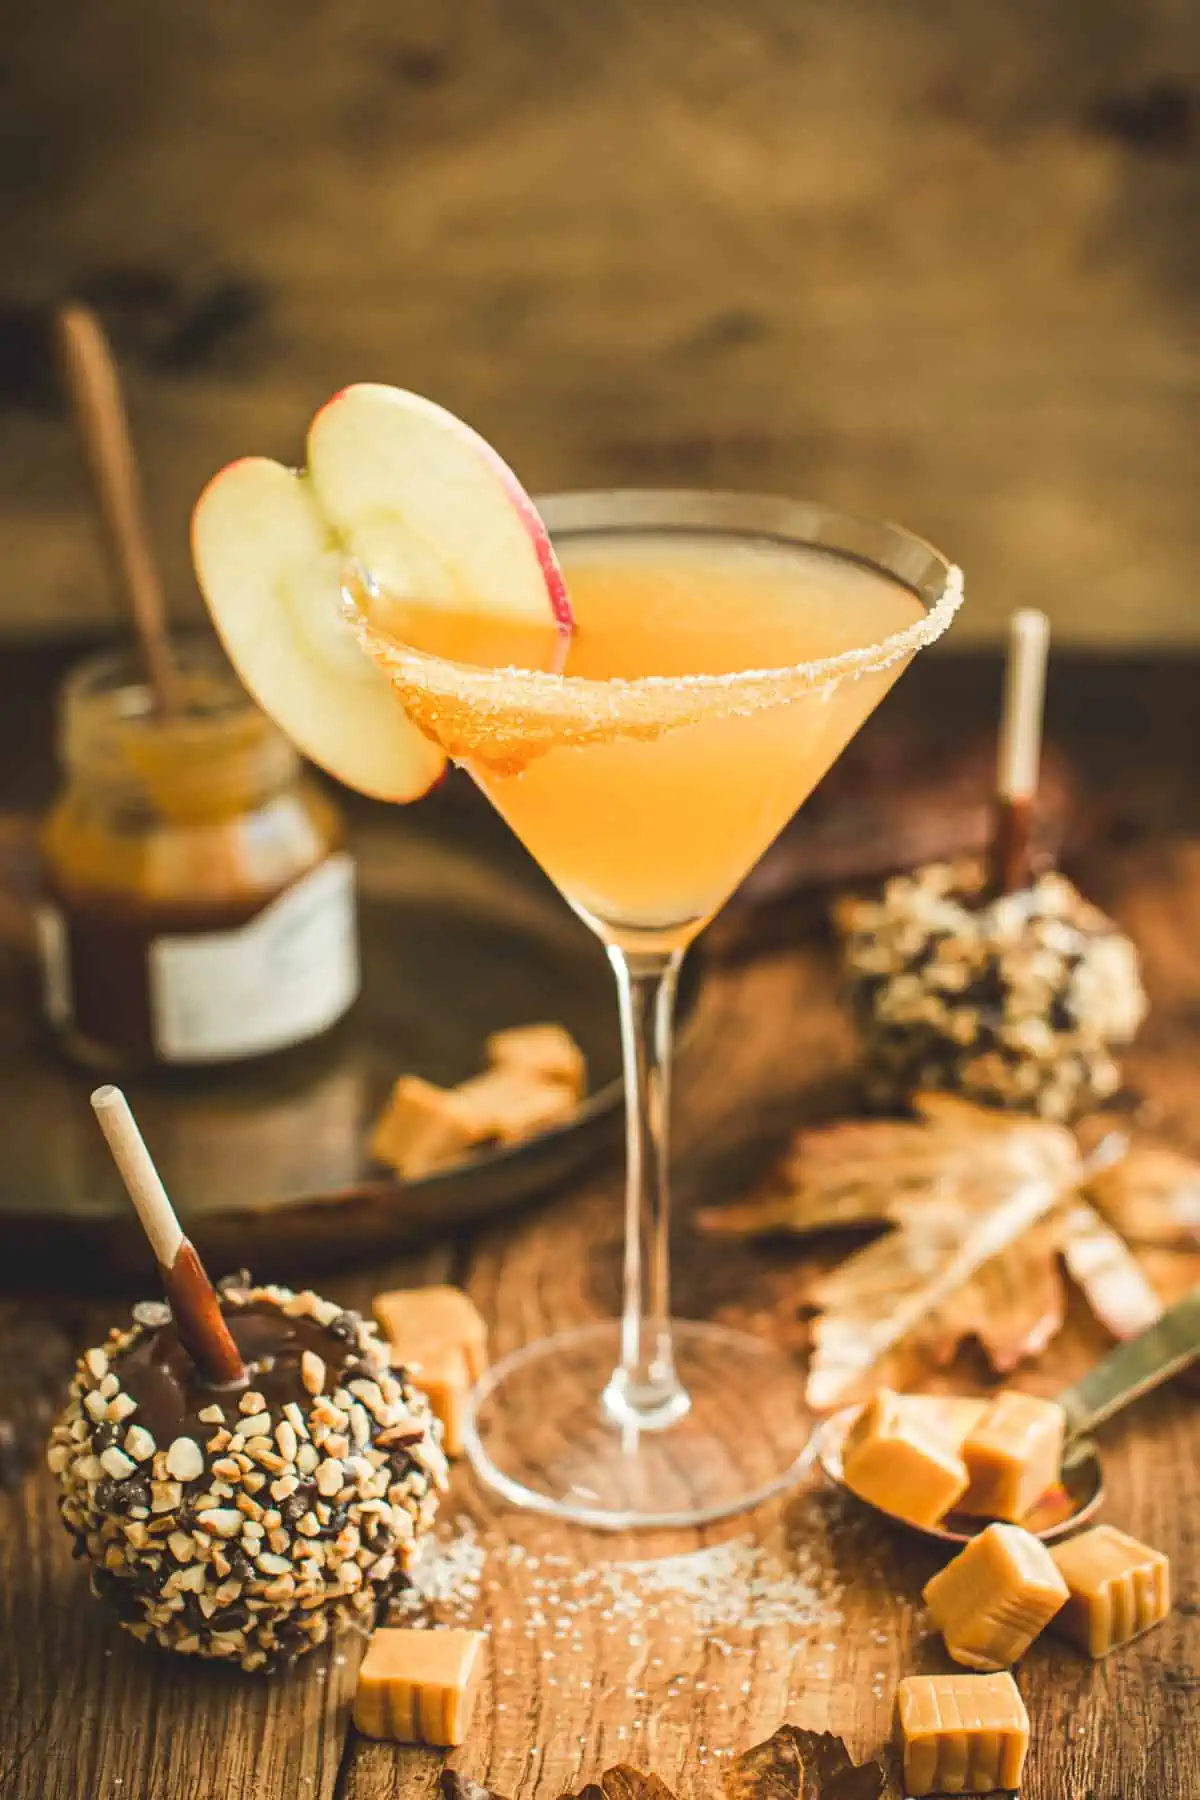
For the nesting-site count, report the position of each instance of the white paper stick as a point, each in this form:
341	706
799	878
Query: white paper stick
1020	750
139	1174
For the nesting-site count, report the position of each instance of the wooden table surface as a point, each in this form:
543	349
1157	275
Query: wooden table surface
577	1683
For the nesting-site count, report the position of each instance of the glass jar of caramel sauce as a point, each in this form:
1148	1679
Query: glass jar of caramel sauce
197	895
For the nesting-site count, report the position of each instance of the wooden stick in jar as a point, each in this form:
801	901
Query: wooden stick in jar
103	427
193	1300
1020	750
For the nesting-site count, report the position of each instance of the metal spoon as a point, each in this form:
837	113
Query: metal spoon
1122	1377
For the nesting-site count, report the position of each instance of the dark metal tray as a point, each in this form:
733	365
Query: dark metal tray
267	1163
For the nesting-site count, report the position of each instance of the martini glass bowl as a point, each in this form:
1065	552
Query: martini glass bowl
647	800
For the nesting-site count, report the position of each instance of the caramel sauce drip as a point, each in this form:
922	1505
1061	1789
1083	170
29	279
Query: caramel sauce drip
160	1373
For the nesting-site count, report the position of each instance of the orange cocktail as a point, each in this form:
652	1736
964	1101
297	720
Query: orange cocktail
649	833
652	772
724	649
646	686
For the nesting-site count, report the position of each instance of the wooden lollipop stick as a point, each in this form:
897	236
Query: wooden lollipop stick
103	427
198	1317
1020	750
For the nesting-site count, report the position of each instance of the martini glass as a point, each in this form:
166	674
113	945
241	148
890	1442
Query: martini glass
647	797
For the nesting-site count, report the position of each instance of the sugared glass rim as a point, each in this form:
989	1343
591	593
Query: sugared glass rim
875	544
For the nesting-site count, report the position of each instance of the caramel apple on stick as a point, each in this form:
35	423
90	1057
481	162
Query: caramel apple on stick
198	1317
1020	748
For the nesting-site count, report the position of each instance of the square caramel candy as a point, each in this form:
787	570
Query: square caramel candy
513	1103
419	1687
1117	1589
995	1597
893	1460
439	1335
423	1128
547	1051
417	1322
1013	1455
445	1379
952	1417
961	1734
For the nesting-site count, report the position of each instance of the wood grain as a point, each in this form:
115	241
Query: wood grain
927	261
86	1711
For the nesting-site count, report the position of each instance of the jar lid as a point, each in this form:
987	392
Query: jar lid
217	756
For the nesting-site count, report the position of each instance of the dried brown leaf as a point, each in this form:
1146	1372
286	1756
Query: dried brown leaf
863	1782
985	1206
621	1782
966	1197
1102	1265
779	1207
625	1783
1013	1306
1171	1273
795	1764
868	1171
1151	1196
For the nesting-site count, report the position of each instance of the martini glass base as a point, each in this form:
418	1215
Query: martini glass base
540	1431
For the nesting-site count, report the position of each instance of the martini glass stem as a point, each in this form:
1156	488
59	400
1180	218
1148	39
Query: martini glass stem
645	1392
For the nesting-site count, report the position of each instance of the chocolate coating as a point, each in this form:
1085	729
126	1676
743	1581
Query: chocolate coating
171	1392
1017	1000
255	1532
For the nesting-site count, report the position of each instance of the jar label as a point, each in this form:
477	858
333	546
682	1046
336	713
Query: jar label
283	978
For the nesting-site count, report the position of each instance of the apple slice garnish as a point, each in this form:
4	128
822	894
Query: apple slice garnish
271	571
460	558
457	556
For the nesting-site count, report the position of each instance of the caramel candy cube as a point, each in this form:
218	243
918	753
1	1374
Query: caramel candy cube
893	1460
419	1321
423	1128
995	1597
513	1104
1012	1456
961	1734
438	1334
548	1052
419	1687
952	1417
1117	1589
445	1380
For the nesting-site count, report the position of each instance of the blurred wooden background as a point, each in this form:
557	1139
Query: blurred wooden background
920	257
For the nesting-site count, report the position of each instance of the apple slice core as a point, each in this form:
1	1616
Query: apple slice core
270	568
404	495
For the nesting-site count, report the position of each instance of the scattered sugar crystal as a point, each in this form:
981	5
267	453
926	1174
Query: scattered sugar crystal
736	1586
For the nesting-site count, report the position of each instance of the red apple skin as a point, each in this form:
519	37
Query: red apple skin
268	544
556	587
